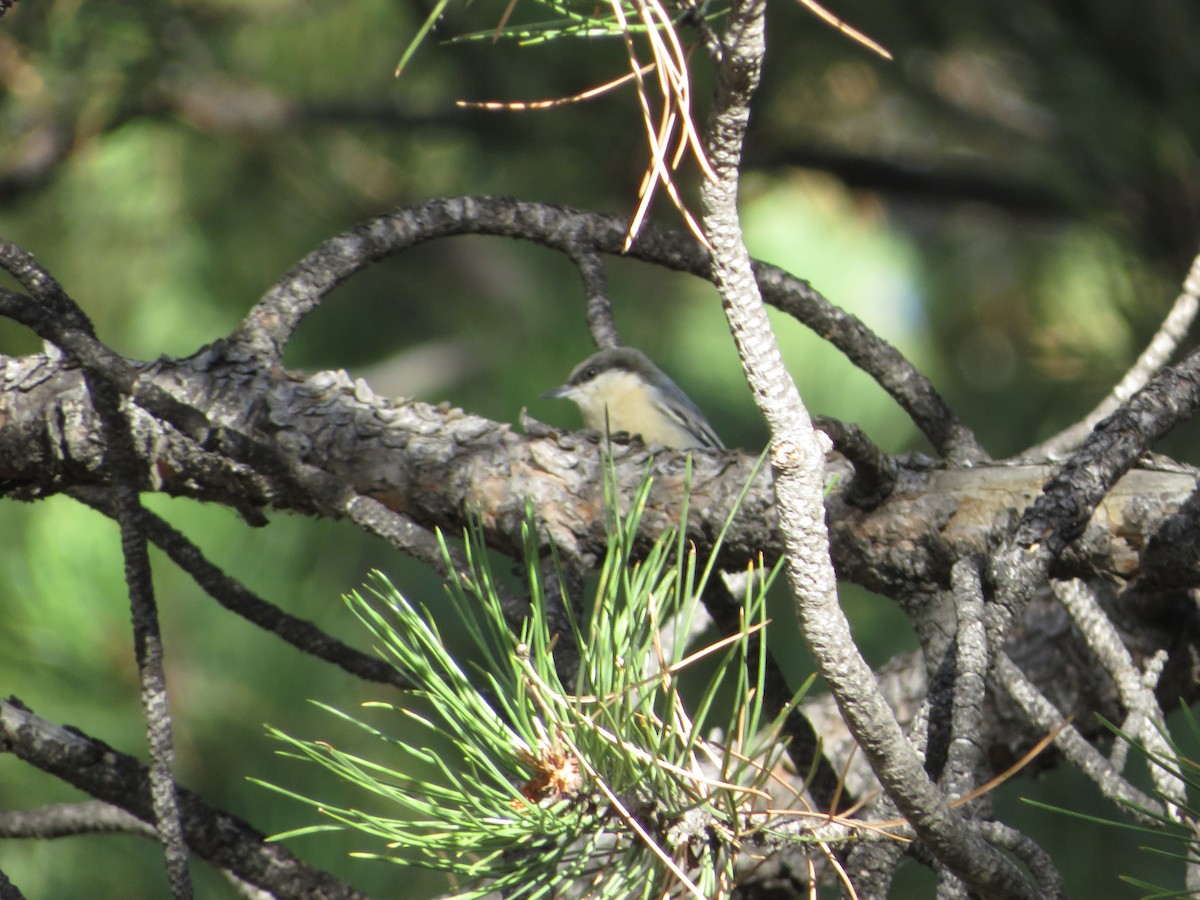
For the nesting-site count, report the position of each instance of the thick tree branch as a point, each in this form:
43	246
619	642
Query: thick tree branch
433	464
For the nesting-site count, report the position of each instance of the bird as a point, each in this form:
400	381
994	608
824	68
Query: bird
620	389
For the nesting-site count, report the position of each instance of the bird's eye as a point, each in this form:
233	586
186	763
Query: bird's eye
590	372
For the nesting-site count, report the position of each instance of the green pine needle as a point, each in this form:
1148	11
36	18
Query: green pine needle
614	785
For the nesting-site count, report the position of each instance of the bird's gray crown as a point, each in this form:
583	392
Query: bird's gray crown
625	359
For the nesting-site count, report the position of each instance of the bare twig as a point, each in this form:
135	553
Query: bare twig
117	778
874	471
965	754
1069	498
147	635
1090	761
65	819
1146	722
237	598
122	461
1170	335
595	291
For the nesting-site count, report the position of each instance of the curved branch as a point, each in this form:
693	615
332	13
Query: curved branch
874	471
265	331
1036	860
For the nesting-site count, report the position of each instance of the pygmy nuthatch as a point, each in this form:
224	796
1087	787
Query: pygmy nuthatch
621	390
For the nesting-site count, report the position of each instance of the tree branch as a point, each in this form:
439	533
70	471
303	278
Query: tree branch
111	776
122	463
64	819
435	464
1060	513
265	331
1075	747
595	291
1166	340
237	598
8	890
796	462
965	755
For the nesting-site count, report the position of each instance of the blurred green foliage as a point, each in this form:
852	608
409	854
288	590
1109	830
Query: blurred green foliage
1029	209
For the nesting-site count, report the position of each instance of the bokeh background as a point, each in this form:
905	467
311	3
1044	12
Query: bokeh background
1012	201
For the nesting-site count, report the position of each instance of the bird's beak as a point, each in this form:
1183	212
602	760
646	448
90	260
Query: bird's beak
559	393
